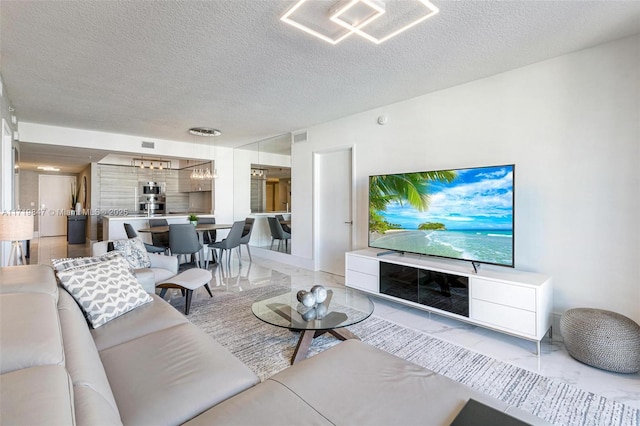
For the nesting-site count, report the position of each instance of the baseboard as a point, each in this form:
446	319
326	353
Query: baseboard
285	258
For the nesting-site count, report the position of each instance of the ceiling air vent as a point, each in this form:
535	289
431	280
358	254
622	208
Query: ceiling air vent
151	145
300	137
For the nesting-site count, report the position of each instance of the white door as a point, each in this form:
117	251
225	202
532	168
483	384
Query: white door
54	201
334	181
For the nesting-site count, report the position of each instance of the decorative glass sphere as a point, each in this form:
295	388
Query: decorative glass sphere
321	311
319	292
306	298
310	314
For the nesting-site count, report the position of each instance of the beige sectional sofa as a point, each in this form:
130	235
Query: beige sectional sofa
151	366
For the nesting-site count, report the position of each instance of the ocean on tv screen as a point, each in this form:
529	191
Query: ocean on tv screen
492	246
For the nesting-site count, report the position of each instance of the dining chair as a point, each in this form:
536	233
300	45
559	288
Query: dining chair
277	233
159	239
208	237
183	241
131	233
246	235
285	227
232	241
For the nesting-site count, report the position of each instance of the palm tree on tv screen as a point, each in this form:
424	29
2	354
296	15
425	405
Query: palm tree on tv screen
411	188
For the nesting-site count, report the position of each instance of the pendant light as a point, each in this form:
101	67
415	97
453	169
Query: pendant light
199	173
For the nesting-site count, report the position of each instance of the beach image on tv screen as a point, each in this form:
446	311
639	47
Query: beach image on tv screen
462	214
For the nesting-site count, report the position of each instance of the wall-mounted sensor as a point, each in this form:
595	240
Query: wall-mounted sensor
382	120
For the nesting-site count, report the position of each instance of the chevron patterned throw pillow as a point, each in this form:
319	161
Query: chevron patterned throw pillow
80	262
104	290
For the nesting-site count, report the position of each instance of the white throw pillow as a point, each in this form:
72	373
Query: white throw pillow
104	290
134	251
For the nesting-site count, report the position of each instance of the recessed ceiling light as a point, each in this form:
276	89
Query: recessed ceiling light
48	168
204	131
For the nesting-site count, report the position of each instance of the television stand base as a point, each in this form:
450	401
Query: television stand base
384	253
513	302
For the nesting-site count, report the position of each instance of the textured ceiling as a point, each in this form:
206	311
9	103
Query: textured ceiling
156	68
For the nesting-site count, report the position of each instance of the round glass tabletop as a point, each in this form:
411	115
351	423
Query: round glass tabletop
342	307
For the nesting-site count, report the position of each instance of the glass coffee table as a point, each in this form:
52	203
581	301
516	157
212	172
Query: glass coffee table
342	307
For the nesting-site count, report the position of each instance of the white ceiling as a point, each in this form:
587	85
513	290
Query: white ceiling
155	69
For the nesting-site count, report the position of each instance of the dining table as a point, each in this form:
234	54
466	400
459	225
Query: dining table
201	228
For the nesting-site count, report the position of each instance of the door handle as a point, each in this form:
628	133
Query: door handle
350	222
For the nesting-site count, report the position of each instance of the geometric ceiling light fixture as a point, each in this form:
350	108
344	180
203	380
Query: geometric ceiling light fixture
311	17
408	14
356	14
371	19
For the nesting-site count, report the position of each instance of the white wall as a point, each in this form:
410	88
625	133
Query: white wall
572	127
224	186
115	142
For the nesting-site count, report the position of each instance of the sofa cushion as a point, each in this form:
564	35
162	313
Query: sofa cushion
93	399
172	375
134	252
28	279
37	396
268	404
29	331
104	290
149	318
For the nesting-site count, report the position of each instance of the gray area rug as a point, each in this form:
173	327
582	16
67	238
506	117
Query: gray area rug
267	349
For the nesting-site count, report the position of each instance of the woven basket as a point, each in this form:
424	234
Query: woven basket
602	339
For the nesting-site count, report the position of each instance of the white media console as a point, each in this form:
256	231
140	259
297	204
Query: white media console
502	299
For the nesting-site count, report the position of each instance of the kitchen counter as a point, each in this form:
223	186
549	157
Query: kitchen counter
269	213
156	216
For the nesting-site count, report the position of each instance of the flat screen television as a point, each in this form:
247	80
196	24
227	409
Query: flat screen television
465	214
